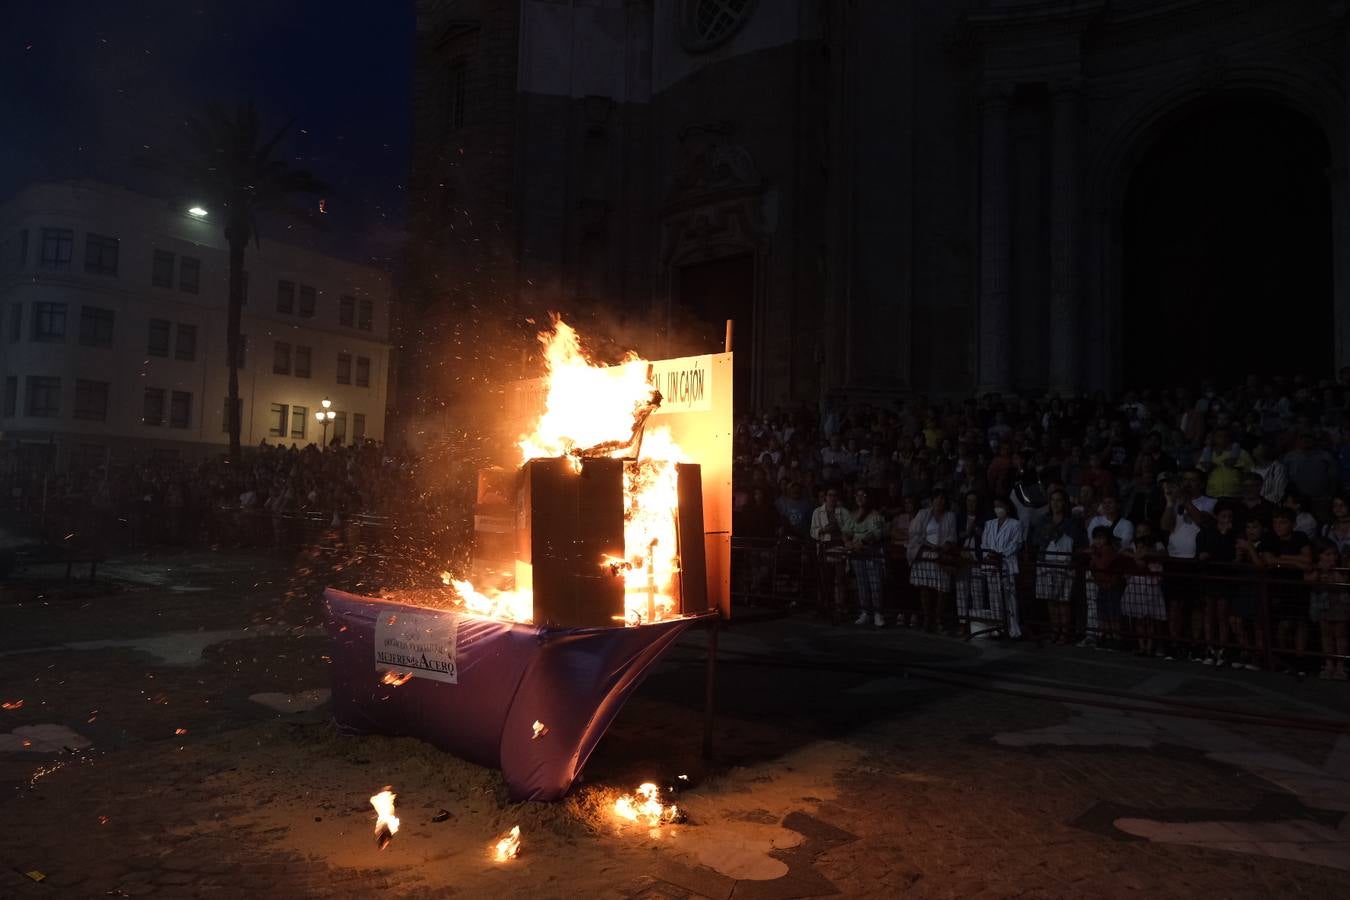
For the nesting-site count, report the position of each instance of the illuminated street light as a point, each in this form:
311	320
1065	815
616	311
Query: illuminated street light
324	416
197	211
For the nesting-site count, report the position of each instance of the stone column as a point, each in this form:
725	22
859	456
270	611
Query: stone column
995	257
1065	297
1340	205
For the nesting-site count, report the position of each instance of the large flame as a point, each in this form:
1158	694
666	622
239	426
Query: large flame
645	807
592	408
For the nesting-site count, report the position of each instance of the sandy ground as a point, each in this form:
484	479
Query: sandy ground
172	762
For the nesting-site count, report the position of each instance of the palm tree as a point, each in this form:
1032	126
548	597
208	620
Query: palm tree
233	170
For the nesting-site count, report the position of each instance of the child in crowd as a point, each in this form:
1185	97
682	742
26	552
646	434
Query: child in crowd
1108	567
1143	600
1328	607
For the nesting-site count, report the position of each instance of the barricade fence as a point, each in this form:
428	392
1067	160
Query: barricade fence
1275	617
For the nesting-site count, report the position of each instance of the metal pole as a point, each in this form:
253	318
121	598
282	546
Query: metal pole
711	688
731	332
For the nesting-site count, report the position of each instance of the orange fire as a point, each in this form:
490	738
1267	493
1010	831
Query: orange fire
644	807
591	409
396	679
386	823
508	845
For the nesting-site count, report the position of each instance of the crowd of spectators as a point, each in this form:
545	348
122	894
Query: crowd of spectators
257	500
1204	524
1201	524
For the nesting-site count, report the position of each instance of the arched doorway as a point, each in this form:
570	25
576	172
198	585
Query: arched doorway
1227	249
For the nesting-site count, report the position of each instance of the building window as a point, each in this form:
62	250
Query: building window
11	394
49	322
704	24
44	396
100	254
162	272
363	371
358	427
157	342
185	347
189	275
299	421
366	320
15	322
306	301
180	410
286	297
225	413
96	326
302	357
56	247
91	400
340	429
457	78
347	311
243	353
281	358
344	368
279	422
152	408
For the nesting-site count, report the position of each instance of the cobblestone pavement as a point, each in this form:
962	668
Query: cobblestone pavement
167	734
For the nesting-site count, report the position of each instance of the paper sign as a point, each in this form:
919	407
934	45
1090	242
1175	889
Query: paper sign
685	384
425	646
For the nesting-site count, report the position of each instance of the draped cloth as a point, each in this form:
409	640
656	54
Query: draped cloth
506	676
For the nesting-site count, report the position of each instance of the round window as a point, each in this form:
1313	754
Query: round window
708	23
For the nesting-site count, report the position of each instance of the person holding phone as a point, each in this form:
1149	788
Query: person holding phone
1188	509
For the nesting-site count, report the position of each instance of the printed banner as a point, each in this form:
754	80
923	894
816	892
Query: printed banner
424	645
685	384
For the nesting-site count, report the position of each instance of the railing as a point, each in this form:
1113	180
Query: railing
1258	616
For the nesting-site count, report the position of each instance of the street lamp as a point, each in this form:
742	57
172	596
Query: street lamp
197	212
324	416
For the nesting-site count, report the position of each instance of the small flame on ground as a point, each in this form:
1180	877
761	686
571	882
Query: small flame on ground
644	807
386	823
13	704
396	678
508	845
540	729
180	731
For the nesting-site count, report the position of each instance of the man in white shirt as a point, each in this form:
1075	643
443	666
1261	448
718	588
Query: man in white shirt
1188	510
1122	529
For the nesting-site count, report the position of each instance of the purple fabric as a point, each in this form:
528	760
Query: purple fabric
573	680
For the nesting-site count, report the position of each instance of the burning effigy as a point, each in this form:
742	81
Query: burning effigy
601	537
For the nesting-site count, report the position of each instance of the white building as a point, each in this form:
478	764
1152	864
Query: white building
112	340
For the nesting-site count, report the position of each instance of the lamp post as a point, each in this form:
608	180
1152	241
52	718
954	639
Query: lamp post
324	416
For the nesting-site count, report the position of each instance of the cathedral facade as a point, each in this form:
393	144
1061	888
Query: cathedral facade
936	196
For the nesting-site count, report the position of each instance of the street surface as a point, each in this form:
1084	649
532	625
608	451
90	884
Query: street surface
166	733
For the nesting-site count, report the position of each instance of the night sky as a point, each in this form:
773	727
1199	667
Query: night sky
86	87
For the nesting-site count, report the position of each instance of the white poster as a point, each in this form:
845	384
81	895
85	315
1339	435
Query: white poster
416	643
685	384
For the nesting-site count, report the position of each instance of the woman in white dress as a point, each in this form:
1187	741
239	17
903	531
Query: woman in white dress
932	535
999	547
